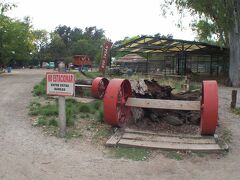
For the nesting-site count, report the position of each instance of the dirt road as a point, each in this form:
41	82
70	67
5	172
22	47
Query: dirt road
25	153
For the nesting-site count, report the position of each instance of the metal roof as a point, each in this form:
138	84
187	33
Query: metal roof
131	58
149	44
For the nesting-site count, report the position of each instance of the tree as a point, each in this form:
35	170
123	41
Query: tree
57	47
219	19
76	41
41	38
16	39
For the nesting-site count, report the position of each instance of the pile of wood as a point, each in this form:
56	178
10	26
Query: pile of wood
152	90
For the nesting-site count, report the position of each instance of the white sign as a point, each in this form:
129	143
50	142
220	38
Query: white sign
60	84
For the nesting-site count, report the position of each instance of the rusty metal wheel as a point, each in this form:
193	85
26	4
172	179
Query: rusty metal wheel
209	108
99	86
117	93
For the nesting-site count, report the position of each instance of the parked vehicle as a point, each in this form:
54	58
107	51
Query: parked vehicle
51	65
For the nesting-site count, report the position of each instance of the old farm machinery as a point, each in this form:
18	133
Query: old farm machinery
98	87
118	100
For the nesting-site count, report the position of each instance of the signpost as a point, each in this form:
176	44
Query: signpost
61	84
105	55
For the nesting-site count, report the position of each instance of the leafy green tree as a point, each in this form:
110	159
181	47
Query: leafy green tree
77	41
57	47
219	19
16	41
41	39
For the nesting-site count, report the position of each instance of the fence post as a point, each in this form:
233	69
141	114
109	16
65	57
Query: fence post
234	99
61	107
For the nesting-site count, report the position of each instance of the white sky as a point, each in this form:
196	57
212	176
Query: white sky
119	18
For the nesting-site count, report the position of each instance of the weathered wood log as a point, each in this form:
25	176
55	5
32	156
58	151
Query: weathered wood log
152	90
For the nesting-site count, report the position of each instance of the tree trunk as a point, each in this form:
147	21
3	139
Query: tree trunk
234	43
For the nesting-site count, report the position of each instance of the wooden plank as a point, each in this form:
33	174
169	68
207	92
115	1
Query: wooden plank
82	85
169	146
164	104
115	138
128	130
165	75
155	138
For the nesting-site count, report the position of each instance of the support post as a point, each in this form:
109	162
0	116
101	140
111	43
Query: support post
61	108
211	62
147	63
234	99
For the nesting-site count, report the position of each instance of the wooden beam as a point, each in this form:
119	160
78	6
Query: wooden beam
170	146
164	104
81	85
156	138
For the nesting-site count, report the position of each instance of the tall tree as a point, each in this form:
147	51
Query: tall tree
16	38
78	41
57	47
217	17
41	39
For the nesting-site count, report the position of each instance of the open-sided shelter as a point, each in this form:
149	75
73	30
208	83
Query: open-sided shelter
176	56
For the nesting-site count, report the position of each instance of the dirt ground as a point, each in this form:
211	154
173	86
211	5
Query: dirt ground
26	153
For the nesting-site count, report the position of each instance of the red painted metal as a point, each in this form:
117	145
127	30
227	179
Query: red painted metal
80	60
115	111
105	55
209	107
99	86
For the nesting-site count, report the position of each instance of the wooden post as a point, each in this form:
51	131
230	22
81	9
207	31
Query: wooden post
186	85
61	108
234	99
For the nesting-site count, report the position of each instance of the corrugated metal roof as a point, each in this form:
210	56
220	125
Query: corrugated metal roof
131	58
148	44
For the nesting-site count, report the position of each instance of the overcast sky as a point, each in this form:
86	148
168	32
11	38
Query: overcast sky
119	18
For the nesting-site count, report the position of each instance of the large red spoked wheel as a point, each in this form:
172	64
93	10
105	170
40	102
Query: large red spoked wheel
117	93
209	107
99	86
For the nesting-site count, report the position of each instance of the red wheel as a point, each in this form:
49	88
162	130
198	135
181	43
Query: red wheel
99	86
209	107
115	111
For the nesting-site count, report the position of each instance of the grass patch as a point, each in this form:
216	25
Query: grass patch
72	133
41	121
79	116
40	89
174	155
101	132
135	154
236	111
89	75
53	122
100	115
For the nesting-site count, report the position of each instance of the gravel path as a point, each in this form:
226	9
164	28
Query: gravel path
25	153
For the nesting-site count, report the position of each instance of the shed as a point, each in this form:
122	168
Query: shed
178	56
132	61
